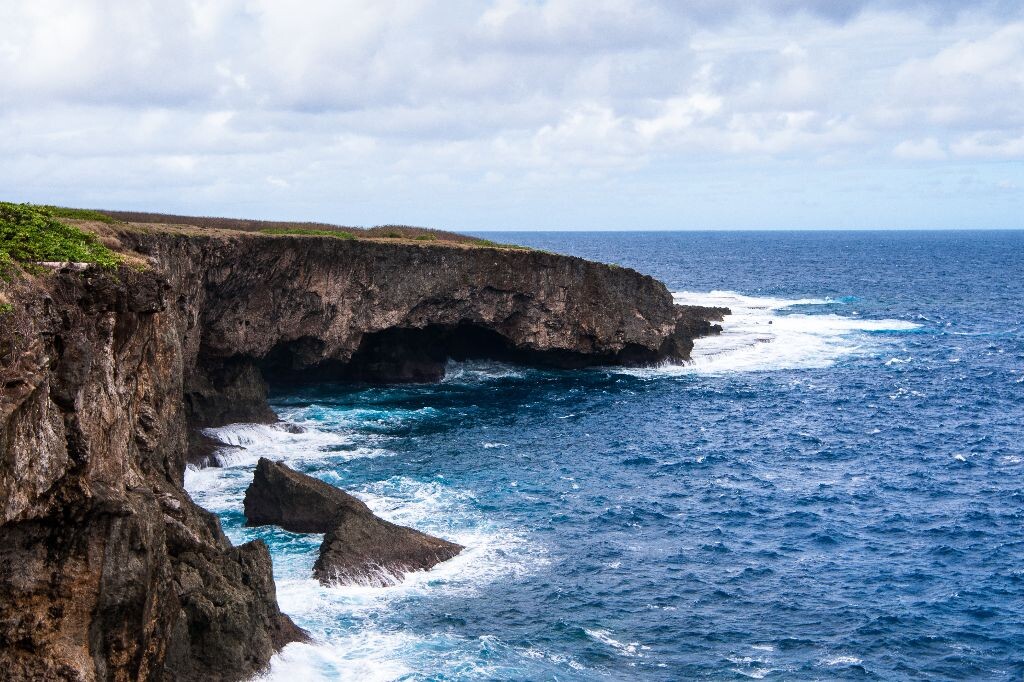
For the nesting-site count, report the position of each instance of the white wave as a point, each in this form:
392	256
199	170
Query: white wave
605	637
478	371
493	553
897	361
366	647
293	441
370	656
841	660
377	655
221	488
361	650
757	336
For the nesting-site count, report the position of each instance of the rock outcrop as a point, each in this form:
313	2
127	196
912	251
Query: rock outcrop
108	571
298	309
359	547
297	502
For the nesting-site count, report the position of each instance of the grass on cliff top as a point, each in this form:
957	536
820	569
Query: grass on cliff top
35	233
498	245
305	231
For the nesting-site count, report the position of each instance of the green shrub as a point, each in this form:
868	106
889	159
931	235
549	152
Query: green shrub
426	238
6	309
6	266
33	233
301	231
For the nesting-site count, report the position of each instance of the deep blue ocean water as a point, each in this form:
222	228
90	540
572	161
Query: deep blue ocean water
836	495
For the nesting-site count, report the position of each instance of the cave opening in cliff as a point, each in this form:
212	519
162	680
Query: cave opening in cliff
393	355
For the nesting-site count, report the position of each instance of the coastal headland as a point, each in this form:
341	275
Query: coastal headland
112	365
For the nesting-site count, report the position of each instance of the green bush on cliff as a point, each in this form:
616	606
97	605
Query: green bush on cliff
302	231
33	233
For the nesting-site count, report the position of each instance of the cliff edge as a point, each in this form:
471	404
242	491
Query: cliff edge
108	571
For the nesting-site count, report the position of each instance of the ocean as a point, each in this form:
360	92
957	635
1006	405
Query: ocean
833	489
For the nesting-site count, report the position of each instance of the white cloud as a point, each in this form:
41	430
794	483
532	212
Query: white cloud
927	149
350	101
990	145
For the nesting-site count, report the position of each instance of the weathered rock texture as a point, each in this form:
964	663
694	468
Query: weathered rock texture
108	571
359	547
281	496
306	308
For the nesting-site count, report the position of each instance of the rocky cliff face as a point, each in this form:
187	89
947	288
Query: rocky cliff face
107	569
299	308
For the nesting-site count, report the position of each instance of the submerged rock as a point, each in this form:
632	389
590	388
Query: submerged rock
359	547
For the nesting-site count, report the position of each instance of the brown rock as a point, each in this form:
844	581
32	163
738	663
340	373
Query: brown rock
281	496
359	546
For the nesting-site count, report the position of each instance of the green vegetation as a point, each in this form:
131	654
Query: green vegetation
426	238
34	233
6	265
499	245
6	309
78	214
307	232
392	235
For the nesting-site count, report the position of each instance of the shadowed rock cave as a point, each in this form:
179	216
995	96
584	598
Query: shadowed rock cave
235	389
409	355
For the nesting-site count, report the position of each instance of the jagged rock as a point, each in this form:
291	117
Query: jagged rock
281	496
371	551
359	546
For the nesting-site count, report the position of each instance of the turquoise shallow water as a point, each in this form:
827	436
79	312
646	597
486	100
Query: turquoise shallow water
835	495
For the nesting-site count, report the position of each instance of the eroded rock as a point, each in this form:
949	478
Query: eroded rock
359	547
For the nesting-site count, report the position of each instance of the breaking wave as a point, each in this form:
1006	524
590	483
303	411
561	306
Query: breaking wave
768	333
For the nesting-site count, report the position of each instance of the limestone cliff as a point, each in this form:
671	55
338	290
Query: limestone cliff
108	571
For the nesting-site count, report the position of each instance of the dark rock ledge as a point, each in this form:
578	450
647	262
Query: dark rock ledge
359	547
108	570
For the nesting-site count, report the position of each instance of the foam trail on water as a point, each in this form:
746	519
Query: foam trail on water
760	335
479	371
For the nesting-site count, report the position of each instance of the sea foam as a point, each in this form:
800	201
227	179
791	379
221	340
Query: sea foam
762	334
494	552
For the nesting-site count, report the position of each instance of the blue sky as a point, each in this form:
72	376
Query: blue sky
522	114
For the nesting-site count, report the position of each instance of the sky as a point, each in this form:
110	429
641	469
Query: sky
521	114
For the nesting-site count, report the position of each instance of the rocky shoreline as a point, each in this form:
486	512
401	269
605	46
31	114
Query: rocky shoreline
108	570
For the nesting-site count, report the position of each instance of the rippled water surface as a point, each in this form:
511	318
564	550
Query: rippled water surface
834	489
